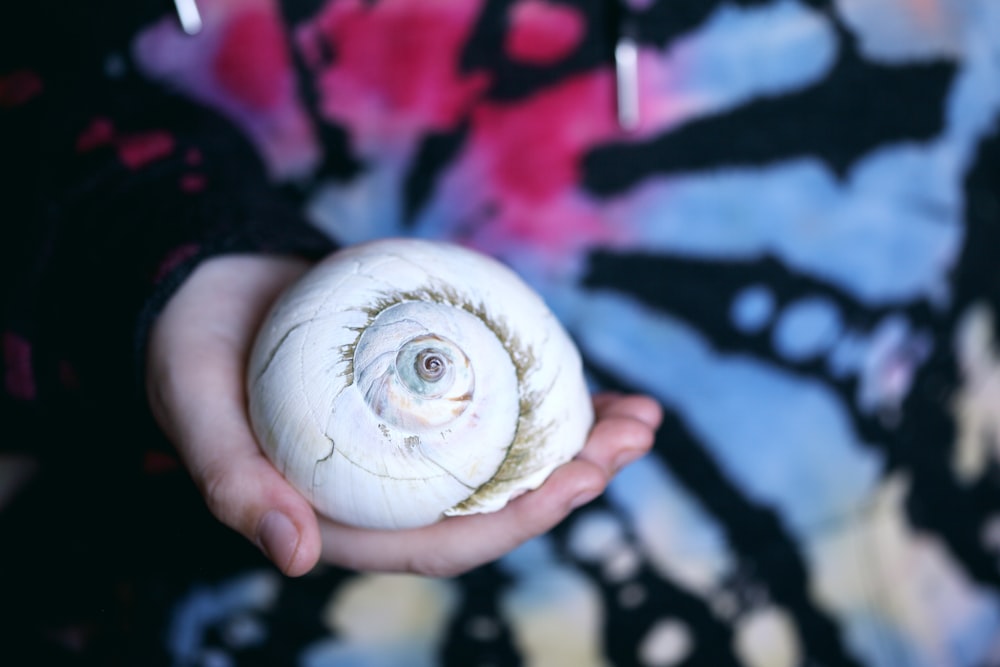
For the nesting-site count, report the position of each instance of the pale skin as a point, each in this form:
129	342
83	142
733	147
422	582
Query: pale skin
195	384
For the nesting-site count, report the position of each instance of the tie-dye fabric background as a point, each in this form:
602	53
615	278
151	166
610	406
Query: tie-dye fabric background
797	252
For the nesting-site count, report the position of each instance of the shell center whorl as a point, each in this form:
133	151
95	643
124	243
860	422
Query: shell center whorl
429	365
413	364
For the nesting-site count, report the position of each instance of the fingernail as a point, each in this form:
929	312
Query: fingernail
278	538
584	498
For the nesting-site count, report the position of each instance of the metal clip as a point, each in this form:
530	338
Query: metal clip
627	80
190	17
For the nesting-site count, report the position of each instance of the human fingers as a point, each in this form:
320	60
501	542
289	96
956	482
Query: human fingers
458	544
623	431
241	487
637	406
195	386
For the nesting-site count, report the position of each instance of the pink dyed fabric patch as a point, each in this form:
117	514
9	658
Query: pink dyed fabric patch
174	259
19	377
19	87
542	33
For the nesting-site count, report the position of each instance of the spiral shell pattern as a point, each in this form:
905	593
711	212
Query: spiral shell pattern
401	381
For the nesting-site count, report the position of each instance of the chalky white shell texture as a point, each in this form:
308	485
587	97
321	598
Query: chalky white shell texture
401	381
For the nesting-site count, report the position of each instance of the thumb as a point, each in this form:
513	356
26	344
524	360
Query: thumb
196	360
201	410
245	492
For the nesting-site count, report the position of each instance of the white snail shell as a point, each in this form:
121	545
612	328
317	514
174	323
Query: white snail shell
401	381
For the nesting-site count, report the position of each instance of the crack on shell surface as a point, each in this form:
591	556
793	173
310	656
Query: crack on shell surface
273	352
333	448
374	473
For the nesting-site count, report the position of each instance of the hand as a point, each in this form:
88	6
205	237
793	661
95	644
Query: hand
622	432
195	383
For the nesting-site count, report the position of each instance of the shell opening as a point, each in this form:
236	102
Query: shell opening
430	365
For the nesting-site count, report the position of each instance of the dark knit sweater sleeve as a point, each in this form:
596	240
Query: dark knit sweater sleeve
116	190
